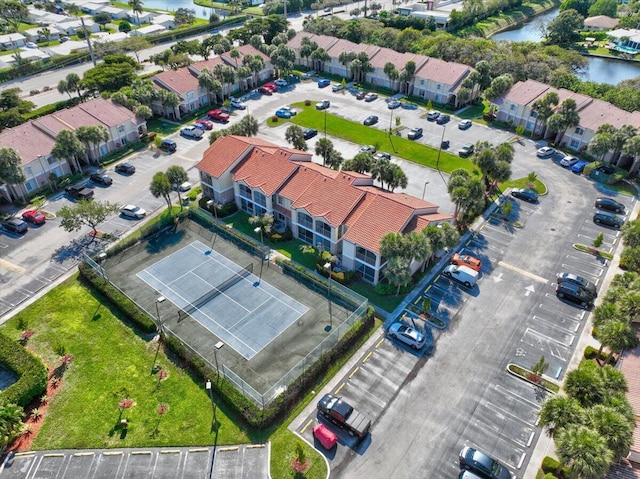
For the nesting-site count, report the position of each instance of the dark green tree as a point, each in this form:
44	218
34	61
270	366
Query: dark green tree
85	213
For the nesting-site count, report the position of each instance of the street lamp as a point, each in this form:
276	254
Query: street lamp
424	190
444	128
216	347
259	230
159	300
328	266
212	205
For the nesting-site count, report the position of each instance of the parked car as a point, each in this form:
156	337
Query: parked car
579	166
466	150
308	75
368	149
281	82
323	105
31	45
444	144
168	145
191	132
411	337
15	225
34	216
545	152
370	120
360	95
203	124
609	204
327	438
291	111
101	178
574	293
218	115
337	87
443	119
415	133
579	280
323	82
309	133
265	91
480	463
79	192
469	475
186	186
568	161
237	104
525	194
382	156
467	260
608	220
393	104
433	115
463	274
465	124
133	211
126	168
271	86
283	113
370	97
64	39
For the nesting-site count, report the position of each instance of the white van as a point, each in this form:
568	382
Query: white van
463	274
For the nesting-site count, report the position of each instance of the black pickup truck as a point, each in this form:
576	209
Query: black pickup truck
342	414
79	192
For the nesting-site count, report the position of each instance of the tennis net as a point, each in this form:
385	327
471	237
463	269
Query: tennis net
217	290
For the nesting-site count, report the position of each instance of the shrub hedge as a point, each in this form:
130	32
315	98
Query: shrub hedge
223	211
31	372
342	277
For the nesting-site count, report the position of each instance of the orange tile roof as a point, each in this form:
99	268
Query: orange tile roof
323	41
446	73
266	170
209	64
179	81
405	199
222	154
28	141
420	222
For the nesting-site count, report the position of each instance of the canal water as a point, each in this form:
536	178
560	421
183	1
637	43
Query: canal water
173	5
600	70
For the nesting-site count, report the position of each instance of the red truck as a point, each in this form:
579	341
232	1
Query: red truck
218	115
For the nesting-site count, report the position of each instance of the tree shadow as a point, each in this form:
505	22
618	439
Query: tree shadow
161	242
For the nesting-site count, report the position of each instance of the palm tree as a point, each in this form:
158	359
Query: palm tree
235	54
584	452
307	47
568	110
616	335
46	33
170	101
632	148
320	57
64	88
249	125
345	58
92	136
395	177
420	247
407	75
379	170
323	147
397	272
208	81
600	144
74	83
585	384
392	73
176	176
68	147
614	427
10	171
466	192
559	412
620	138
161	187
335	159
136	6
544	109
361	163
294	135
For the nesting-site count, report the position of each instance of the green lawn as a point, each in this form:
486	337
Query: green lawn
111	362
348	130
388	302
474	111
539	186
162	126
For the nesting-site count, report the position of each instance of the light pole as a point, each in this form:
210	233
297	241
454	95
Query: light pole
444	128
216	347
259	230
212	205
159	300
424	190
330	327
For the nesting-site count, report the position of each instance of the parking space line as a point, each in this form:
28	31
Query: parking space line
199	449
11	267
554	324
379	343
502	415
113	453
354	372
555	312
141	453
521	271
366	358
306	426
581	270
170	451
549	338
4	245
542	340
518	397
339	388
82	454
588	260
53	454
372	397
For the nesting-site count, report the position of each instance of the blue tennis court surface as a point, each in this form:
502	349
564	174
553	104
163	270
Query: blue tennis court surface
227	299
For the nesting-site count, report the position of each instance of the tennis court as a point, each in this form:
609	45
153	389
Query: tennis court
229	300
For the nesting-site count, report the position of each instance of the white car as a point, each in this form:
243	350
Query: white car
237	104
368	149
31	45
186	186
545	152
280	82
133	211
308	75
411	337
323	105
568	161
463	274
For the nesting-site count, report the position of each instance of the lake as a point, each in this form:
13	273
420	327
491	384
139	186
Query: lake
173	5
601	70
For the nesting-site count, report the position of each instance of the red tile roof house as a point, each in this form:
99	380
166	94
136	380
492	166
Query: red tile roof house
184	82
35	139
340	210
516	107
435	80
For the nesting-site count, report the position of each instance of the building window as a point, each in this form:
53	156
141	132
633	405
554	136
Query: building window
323	243
323	228
421	82
121	128
512	108
365	256
30	185
279	200
439	86
245	191
260	210
305	235
259	198
246	205
205	177
367	272
27	171
51	160
534	114
579	131
574	144
305	220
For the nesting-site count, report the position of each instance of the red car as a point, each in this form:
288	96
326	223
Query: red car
218	115
271	86
327	438
33	216
265	91
204	124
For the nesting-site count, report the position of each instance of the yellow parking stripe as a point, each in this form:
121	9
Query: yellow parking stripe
535	277
11	267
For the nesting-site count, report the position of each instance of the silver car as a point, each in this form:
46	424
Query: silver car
411	337
133	211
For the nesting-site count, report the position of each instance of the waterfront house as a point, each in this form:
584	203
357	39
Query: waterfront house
600	23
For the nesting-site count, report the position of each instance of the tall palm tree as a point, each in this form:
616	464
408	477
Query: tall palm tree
249	125
584	452
616	335
408	74
68	147
320	56
559	412
568	110
632	148
10	171
91	137
392	73
614	427
600	145
544	109
397	272
136	6
420	247
208	81
235	54
323	147
345	58
585	384
307	47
